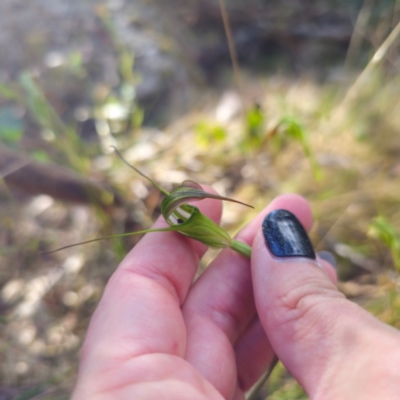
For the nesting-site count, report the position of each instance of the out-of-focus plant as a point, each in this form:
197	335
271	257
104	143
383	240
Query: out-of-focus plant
254	128
117	109
11	127
291	128
63	137
287	129
380	228
66	139
209	133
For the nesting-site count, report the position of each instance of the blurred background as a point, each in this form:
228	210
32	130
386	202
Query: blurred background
311	105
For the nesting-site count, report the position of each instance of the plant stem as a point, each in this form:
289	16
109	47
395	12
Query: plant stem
231	47
241	248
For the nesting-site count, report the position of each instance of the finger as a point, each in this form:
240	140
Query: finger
150	376
221	304
170	257
312	328
254	354
140	309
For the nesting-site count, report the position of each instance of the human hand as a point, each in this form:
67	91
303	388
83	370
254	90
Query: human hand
154	334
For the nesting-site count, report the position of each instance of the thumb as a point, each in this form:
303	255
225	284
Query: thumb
313	329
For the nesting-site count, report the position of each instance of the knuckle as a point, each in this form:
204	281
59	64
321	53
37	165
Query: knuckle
304	309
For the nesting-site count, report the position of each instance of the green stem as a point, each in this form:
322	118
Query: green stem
170	229
241	248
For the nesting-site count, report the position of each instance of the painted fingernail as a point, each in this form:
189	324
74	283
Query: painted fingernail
285	236
327	256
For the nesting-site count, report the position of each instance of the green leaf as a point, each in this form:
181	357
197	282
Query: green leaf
255	123
9	93
380	228
188	191
254	129
170	229
203	229
292	128
140	173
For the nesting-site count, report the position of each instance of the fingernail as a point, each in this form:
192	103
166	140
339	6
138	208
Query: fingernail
285	236
327	256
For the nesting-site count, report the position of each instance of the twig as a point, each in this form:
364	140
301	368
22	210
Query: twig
231	46
19	171
358	33
255	390
372	65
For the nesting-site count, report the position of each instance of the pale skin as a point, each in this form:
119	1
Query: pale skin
155	335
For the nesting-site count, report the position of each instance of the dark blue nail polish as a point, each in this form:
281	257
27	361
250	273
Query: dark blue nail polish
327	256
285	236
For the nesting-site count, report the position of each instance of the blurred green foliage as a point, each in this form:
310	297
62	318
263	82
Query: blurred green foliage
255	129
209	133
27	93
11	127
66	139
291	128
40	156
380	228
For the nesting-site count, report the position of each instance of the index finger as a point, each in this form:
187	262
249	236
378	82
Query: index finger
140	308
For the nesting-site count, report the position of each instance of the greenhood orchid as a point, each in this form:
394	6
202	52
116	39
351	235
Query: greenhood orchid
186	218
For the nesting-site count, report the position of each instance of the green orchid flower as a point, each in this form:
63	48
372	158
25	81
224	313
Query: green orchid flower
186	218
